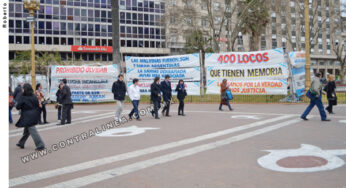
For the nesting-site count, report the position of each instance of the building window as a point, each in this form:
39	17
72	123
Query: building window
217	6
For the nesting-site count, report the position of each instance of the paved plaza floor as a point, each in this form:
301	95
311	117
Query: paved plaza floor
256	145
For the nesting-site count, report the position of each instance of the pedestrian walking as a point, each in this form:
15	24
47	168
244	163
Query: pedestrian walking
181	94
135	96
30	114
119	91
155	97
166	90
67	104
42	103
224	97
331	95
315	96
58	100
10	104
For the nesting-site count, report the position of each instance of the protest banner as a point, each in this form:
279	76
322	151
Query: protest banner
87	83
248	73
185	67
164	62
191	77
297	60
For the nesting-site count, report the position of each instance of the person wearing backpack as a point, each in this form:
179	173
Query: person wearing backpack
11	104
224	98
315	96
29	117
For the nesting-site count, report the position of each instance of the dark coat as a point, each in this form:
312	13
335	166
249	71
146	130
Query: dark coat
330	89
17	93
155	91
166	90
119	90
66	95
180	93
58	96
30	112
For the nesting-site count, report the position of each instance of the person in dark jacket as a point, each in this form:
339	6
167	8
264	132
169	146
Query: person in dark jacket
331	95
58	100
119	91
29	117
155	96
18	92
166	90
67	104
181	94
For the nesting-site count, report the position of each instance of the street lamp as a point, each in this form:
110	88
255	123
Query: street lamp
32	6
307	46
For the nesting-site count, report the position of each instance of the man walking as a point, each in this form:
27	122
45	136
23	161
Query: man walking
67	104
166	90
135	96
155	96
119	91
315	95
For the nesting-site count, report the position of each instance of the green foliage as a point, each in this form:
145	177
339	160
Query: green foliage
254	19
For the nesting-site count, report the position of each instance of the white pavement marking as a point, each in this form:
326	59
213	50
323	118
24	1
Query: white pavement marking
129	131
245	117
342	121
107	160
19	132
269	161
108	174
54	124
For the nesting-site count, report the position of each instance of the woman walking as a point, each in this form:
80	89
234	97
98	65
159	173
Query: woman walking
224	98
181	94
331	95
42	103
29	117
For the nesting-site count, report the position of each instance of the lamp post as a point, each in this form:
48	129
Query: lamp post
32	6
307	46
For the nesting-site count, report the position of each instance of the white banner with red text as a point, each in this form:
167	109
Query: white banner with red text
88	84
248	73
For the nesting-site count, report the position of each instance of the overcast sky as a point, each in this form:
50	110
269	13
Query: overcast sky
343	2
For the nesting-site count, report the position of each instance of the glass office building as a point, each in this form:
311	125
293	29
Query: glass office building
66	26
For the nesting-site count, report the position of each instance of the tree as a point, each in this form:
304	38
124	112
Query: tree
254	20
197	42
337	43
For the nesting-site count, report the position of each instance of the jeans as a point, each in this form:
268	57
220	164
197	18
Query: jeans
135	104
119	109
228	104
156	108
10	114
35	136
318	102
59	112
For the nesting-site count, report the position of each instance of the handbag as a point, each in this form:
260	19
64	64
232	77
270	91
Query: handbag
229	94
310	94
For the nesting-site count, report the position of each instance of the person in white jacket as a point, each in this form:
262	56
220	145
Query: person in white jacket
135	96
